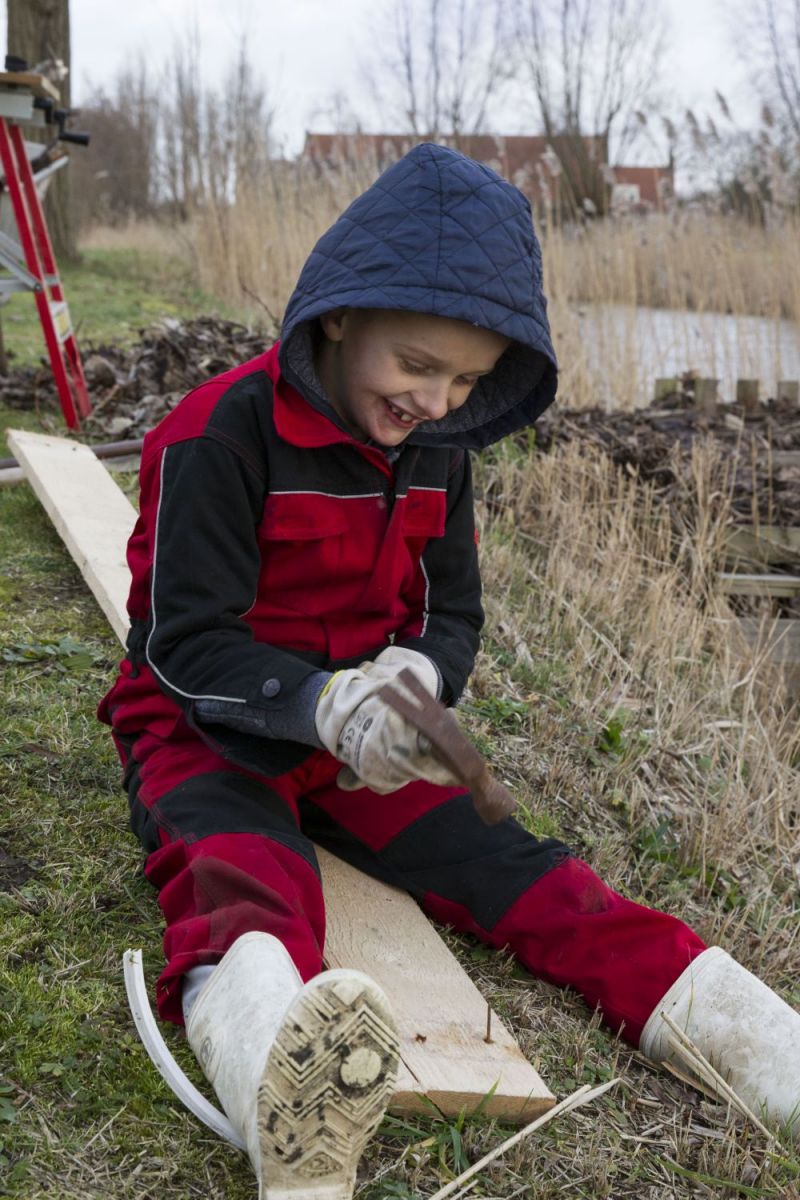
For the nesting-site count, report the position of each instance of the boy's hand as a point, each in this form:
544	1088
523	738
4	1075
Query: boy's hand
381	748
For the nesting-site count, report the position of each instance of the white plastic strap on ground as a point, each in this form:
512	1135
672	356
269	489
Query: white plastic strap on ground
163	1061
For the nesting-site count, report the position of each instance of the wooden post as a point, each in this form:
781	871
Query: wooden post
789	390
40	29
747	394
705	395
665	389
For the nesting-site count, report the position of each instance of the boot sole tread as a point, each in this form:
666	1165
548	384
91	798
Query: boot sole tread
313	1120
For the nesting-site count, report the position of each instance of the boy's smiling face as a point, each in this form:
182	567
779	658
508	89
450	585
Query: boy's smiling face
386	371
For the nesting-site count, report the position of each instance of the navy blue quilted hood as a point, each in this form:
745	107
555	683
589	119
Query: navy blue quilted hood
438	233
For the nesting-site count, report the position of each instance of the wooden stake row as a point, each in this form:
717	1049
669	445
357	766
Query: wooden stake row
705	391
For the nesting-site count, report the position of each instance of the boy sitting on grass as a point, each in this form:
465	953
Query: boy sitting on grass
306	533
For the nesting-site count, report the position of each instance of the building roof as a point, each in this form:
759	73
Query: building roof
533	163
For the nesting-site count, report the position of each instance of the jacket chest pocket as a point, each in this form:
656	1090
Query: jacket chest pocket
314	552
424	513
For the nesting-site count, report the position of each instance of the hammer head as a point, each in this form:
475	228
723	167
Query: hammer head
493	801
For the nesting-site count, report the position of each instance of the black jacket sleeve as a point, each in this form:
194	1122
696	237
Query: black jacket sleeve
205	571
453	614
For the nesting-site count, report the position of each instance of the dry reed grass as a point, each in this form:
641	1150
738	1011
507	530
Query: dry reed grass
144	235
587	566
687	259
697	264
693	261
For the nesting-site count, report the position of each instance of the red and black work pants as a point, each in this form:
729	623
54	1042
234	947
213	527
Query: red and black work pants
231	852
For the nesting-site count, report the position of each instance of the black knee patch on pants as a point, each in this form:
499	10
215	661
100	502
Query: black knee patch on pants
217	802
450	852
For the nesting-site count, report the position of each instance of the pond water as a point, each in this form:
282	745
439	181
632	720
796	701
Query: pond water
623	350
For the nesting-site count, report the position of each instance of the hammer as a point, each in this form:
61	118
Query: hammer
493	801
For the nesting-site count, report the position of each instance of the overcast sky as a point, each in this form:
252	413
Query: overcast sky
306	50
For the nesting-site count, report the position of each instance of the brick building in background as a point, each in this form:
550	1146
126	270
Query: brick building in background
558	175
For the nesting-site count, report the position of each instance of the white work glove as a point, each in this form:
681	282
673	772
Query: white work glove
382	750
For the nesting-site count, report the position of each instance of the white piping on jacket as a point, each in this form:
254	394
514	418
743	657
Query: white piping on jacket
153	667
425	609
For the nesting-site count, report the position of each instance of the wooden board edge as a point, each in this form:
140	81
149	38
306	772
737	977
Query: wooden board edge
762	546
770	648
40	85
508	1109
734	583
19	440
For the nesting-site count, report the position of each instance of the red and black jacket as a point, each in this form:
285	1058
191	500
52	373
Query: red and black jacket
271	544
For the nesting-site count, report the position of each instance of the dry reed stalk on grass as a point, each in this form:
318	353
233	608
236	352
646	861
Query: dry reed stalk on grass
583	1095
256	247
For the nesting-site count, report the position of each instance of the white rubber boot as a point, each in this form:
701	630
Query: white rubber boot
746	1032
303	1072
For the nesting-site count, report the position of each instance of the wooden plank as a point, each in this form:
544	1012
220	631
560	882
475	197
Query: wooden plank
39	85
778	459
666	387
89	511
440	1012
378	929
734	584
778	640
774	645
747	394
762	545
788	389
705	395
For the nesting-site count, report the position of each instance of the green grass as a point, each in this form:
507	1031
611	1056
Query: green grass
111	295
17	418
78	1098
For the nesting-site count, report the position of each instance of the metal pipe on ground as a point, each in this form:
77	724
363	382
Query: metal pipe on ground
11	472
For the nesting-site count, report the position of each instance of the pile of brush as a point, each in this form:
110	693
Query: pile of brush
133	387
759	449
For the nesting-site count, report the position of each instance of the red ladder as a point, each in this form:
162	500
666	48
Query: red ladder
40	261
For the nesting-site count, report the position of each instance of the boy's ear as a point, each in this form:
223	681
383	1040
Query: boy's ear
333	324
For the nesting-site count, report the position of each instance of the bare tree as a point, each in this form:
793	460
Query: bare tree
115	178
212	142
181	120
39	30
754	165
593	64
446	63
592	67
768	33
